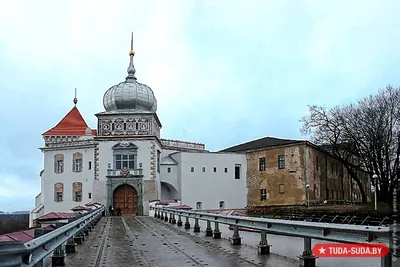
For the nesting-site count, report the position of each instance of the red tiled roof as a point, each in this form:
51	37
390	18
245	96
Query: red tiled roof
92	204
57	215
72	124
24	236
165	202
181	207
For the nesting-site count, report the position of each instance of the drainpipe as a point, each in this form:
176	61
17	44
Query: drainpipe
326	174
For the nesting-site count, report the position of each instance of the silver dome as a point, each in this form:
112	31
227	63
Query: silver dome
130	95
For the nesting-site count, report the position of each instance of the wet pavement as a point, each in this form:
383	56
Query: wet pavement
146	241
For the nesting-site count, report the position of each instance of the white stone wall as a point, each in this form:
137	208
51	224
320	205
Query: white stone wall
211	187
49	178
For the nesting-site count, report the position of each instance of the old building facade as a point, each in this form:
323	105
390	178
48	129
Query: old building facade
125	163
295	172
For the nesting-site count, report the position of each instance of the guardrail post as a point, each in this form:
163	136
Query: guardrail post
387	260
161	216
173	221
85	231
170	218
179	223
70	246
11	253
155	213
309	260
209	231
236	239
217	232
187	224
166	217
78	239
196	228
263	246
58	258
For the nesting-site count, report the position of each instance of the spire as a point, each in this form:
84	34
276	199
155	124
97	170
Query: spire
131	68
75	99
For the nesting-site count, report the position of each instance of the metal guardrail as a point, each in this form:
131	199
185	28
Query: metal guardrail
35	251
322	231
340	233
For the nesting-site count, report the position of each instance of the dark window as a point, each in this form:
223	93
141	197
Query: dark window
215	169
124	161
78	196
261	164
169	169
263	194
332	167
59	196
203	169
158	160
317	162
226	169
90	165
222	204
281	161
60	166
237	172
192	169
90	195
337	169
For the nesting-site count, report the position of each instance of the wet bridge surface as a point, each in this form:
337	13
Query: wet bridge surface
146	241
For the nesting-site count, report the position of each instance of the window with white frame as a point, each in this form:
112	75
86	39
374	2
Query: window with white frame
198	205
124	161
222	204
59	163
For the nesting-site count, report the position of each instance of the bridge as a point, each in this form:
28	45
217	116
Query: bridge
172	237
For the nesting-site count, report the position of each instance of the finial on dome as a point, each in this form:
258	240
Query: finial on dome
75	99
131	68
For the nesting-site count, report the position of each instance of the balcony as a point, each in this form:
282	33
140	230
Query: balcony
124	173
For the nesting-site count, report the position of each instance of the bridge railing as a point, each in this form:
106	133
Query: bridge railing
341	233
36	251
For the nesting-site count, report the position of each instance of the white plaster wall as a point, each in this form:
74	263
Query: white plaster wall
211	187
170	178
68	177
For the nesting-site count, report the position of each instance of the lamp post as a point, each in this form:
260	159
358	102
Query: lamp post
375	179
308	195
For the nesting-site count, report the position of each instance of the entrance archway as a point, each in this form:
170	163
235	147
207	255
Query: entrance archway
126	198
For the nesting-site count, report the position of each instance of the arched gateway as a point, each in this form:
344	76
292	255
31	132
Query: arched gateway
126	198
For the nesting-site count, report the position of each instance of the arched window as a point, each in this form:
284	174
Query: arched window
59	163
58	192
77	191
77	160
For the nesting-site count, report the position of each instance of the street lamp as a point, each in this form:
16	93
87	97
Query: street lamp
375	179
308	195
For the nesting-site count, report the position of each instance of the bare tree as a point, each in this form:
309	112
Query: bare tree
364	136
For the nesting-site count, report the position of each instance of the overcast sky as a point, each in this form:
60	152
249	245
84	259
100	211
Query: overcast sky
223	71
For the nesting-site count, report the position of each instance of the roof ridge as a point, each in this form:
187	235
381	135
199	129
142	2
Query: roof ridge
72	124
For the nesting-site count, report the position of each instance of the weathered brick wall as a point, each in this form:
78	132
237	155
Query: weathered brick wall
272	177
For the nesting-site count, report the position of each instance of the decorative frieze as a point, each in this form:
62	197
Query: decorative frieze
172	144
153	159
117	126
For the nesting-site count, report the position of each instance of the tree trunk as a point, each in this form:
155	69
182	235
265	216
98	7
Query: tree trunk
354	176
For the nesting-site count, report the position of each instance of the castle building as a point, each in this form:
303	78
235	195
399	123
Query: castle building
126	164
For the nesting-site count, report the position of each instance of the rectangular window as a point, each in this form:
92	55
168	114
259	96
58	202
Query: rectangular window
78	165
332	167
169	169
281	188
222	204
337	169
261	164
203	169
60	166
192	169
124	161
90	165
215	169
158	160
317	162
90	195
237	172
263	194
59	196
281	162
226	169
